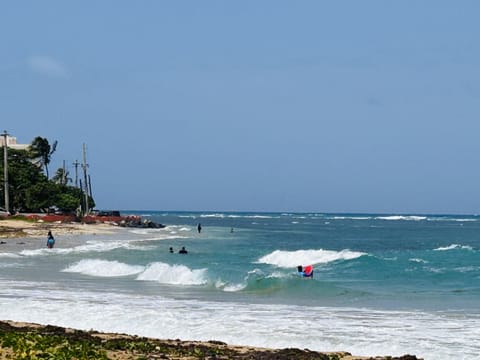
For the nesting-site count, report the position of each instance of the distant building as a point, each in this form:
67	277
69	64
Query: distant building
12	143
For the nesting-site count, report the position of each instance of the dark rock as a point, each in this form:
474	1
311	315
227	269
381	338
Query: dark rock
138	223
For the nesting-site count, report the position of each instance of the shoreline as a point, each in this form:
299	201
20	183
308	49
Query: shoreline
22	234
124	346
30	233
22	228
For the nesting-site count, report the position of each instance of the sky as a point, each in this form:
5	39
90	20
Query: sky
290	106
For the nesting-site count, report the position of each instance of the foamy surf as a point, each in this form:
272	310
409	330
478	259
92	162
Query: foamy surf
173	274
453	247
104	268
332	329
290	259
158	272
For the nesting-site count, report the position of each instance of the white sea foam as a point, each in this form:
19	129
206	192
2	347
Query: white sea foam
159	272
277	275
173	274
230	287
167	233
234	287
104	268
402	217
38	252
220	216
363	332
238	216
97	246
289	259
454	247
444	218
417	260
350	218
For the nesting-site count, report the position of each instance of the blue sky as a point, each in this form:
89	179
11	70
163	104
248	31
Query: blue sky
340	106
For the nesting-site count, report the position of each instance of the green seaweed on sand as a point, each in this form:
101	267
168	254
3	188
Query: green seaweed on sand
32	342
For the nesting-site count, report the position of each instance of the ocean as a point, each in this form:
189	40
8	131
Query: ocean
383	284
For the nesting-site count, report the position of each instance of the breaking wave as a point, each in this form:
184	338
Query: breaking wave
289	259
453	247
158	272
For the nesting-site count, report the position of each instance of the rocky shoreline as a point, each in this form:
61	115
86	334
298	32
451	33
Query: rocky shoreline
35	225
32	341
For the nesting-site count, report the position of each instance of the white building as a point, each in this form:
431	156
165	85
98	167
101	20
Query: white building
12	143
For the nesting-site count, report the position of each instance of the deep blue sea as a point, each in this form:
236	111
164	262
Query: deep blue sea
383	284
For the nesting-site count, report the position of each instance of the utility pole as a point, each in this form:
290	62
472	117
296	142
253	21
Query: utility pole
64	175
76	163
90	186
5	169
85	184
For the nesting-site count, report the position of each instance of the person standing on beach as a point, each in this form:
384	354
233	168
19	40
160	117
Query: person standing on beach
50	240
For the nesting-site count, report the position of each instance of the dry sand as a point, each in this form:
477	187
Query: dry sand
14	228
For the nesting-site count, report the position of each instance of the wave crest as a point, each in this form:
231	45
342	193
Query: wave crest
289	259
453	247
173	274
103	268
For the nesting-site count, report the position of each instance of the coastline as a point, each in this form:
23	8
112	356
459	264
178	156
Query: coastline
30	233
19	228
123	346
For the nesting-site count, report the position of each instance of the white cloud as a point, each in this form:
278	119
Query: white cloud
47	65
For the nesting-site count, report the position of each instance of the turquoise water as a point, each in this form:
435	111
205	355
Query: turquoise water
400	262
383	284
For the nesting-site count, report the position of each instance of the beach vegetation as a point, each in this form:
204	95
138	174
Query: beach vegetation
30	189
41	149
30	341
62	177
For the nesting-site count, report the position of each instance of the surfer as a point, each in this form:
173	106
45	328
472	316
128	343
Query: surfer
183	250
305	272
171	250
199	228
50	240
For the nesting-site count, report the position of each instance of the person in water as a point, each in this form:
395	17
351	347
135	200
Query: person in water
50	240
199	228
305	272
171	250
183	250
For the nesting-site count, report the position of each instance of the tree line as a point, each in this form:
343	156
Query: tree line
31	189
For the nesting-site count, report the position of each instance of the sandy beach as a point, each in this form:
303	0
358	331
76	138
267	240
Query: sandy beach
16	228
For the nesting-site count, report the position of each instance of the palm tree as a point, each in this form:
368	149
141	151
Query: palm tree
41	149
62	177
